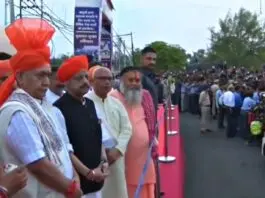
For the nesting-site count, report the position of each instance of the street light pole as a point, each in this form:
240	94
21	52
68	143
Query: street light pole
12	11
6	7
133	57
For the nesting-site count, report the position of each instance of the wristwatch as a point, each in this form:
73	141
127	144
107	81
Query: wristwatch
3	192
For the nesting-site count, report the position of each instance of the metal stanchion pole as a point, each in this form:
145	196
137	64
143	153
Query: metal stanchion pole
158	193
157	186
170	131
169	105
166	158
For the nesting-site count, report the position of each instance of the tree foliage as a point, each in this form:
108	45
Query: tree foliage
57	61
240	41
137	56
169	57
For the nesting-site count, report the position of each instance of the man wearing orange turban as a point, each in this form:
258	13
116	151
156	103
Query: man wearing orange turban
71	67
29	132
83	125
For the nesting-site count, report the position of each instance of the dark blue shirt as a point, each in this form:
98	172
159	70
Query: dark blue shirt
188	88
183	88
238	100
193	89
197	89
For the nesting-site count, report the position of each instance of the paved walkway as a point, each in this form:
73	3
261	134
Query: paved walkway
220	168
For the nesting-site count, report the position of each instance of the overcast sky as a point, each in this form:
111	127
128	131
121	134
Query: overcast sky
183	22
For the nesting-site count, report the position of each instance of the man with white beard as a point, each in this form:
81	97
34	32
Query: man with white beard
140	107
132	95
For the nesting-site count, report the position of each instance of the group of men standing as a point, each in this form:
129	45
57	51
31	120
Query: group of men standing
66	132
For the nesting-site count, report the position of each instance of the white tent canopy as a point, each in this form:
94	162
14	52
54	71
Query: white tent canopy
5	45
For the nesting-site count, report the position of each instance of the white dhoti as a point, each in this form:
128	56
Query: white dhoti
115	184
93	195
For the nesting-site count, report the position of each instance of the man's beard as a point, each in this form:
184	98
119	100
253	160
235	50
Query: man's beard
133	96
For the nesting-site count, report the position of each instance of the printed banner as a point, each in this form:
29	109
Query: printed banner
106	48
87	28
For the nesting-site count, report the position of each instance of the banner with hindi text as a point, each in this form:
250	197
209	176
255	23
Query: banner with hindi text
106	48
87	31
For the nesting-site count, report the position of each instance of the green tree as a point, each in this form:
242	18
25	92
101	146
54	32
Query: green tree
198	59
137	56
169	57
57	61
240	41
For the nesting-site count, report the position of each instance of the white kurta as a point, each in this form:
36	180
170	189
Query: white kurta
116	131
93	195
22	145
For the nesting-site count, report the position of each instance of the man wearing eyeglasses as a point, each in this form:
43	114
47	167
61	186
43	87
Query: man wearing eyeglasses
116	130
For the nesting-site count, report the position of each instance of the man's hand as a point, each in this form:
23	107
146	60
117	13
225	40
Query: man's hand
95	175
105	169
15	180
113	155
98	175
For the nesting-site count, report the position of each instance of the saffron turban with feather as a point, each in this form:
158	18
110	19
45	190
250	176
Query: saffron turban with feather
30	37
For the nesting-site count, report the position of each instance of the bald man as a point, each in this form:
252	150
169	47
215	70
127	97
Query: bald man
116	131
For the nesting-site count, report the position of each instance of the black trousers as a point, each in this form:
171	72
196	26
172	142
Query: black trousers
221	117
244	129
231	116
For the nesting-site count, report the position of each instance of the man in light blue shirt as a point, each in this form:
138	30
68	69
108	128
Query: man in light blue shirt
230	111
248	105
220	108
238	104
184	97
219	92
229	98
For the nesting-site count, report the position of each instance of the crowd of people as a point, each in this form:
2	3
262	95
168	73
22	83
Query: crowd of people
235	97
66	131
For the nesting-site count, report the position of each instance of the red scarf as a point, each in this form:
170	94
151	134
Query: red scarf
150	117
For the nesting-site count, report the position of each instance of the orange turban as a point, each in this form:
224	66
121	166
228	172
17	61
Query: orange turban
71	67
92	71
30	37
5	68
